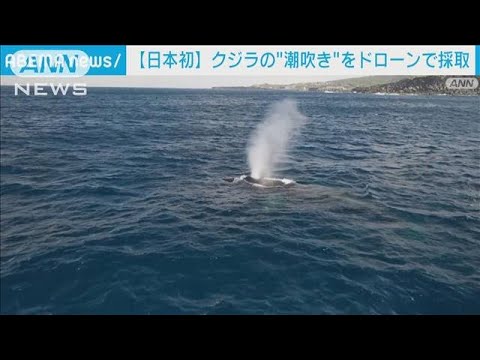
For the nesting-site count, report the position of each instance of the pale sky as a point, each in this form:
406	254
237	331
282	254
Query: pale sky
200	82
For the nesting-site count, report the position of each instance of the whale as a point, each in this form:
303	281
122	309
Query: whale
265	182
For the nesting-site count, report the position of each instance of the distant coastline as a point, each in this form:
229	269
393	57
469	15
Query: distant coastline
392	85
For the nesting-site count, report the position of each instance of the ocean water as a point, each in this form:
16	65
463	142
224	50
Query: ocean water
115	204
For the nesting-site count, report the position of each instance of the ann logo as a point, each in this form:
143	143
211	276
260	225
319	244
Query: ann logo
462	83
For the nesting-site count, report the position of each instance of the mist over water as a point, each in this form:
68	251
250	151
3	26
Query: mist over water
269	142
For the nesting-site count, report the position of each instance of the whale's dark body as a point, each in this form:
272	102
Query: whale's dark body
261	181
264	182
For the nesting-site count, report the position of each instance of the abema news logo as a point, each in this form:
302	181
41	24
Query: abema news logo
62	61
62	64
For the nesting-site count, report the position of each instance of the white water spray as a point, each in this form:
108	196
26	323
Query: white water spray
270	141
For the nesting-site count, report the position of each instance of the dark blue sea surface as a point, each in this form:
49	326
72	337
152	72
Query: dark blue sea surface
114	203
